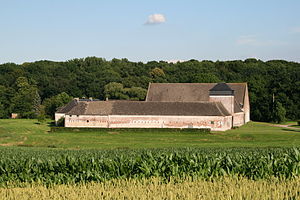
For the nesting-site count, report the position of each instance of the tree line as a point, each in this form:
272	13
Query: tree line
37	89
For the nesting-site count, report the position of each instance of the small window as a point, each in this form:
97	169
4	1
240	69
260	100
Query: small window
87	121
212	122
77	115
70	115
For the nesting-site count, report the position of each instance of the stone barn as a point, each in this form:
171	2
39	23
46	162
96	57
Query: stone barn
218	106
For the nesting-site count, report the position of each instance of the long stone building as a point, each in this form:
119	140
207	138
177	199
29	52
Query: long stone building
218	106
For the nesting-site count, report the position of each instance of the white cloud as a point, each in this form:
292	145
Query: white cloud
253	40
156	19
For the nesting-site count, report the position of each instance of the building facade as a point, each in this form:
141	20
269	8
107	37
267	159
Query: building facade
218	106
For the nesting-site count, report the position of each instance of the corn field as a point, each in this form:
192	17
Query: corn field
51	167
156	188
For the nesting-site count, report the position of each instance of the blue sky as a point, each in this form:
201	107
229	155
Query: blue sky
60	30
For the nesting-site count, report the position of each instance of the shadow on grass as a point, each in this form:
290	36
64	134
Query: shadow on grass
295	126
291	130
51	124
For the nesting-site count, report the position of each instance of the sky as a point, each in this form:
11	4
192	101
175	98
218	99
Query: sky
169	30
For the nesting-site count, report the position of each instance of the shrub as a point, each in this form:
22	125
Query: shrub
61	122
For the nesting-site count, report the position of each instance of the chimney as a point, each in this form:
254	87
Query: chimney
221	92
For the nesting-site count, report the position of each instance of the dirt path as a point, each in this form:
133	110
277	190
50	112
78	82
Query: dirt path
285	126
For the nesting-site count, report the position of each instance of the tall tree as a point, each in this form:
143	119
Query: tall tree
23	101
278	113
51	104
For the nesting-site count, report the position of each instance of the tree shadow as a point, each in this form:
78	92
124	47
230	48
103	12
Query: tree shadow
51	124
295	126
291	130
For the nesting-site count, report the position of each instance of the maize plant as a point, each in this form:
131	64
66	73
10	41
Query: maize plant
81	166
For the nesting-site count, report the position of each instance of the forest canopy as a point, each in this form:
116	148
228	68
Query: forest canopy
32	89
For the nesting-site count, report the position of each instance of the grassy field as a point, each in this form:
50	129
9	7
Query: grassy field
226	188
28	133
32	156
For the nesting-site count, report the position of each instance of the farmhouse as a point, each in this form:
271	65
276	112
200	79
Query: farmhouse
218	106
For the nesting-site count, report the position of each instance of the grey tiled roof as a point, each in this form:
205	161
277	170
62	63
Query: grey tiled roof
191	92
67	107
149	108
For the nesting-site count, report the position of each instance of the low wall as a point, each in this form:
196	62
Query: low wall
216	123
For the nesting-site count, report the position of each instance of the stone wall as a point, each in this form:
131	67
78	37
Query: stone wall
239	119
247	106
215	123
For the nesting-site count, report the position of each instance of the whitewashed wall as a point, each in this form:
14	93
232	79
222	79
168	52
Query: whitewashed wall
216	123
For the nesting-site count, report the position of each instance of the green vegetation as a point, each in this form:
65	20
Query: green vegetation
278	113
24	87
246	162
115	90
69	167
30	133
163	164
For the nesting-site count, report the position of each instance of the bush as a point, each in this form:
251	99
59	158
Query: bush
279	113
60	122
298	122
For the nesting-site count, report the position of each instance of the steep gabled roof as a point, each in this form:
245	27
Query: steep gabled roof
149	108
191	92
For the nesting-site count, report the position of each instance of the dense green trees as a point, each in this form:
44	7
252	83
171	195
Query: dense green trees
53	103
26	100
115	90
122	79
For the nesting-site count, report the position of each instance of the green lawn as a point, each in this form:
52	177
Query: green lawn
21	132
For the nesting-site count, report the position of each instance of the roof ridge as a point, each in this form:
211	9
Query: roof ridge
149	85
182	102
238	83
182	83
